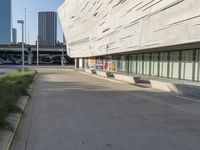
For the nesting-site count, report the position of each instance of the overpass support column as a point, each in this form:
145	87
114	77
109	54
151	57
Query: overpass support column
30	57
76	63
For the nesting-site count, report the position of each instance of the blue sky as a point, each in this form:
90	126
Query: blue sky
32	9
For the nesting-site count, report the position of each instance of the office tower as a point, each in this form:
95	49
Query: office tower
14	36
5	22
47	28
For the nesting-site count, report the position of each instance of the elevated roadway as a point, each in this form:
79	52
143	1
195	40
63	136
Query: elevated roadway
33	48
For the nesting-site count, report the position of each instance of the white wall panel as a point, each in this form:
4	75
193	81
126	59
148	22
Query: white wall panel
128	25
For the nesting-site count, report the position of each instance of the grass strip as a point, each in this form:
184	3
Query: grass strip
12	86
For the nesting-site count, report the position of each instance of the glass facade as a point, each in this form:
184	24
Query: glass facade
122	63
5	22
181	65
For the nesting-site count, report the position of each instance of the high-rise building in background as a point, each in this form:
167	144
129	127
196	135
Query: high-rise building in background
14	36
5	22
47	28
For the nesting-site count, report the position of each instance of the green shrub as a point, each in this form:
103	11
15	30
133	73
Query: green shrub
12	86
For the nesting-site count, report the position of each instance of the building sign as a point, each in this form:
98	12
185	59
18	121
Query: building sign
91	63
99	64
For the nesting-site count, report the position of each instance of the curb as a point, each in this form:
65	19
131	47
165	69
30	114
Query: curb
7	136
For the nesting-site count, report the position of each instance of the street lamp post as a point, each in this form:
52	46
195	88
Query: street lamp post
25	24
62	57
22	22
37	51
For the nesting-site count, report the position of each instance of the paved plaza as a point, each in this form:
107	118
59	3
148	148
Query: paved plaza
73	111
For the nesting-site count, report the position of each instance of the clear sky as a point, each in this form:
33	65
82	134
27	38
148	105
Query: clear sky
32	9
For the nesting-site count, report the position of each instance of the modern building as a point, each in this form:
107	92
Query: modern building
14	36
150	38
5	22
47	28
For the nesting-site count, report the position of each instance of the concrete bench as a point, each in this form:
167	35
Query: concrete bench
104	73
101	73
126	78
88	70
110	74
182	89
91	71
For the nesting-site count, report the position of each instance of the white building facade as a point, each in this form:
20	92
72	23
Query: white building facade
148	37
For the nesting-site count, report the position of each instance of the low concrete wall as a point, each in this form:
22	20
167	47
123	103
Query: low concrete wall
101	73
182	89
126	78
164	86
88	71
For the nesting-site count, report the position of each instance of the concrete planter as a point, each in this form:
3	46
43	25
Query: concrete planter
101	73
6	136
88	71
182	89
126	78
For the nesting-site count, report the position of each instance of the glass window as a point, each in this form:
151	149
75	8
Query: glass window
197	66
174	65
122	63
187	65
163	64
140	64
154	64
133	64
146	64
118	63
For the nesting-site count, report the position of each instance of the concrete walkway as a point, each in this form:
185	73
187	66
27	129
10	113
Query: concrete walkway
73	111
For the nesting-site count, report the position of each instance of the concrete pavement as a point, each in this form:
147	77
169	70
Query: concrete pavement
73	111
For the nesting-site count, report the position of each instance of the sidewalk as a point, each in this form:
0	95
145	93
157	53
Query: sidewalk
73	111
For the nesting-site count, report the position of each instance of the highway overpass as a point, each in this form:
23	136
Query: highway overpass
33	48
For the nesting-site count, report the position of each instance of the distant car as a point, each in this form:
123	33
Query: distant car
8	61
18	61
56	60
2	61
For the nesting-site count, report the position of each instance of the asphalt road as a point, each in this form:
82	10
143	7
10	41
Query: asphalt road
9	68
73	111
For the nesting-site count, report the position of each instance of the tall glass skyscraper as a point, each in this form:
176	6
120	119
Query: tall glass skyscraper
5	22
47	28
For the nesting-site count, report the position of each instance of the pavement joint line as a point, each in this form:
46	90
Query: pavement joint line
188	98
193	99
